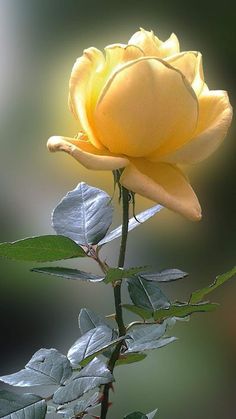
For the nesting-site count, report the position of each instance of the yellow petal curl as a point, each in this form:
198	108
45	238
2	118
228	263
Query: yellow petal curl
86	154
153	46
164	184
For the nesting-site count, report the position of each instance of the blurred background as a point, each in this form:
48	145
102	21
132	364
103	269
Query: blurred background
39	42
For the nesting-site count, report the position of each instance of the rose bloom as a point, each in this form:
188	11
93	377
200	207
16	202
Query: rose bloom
145	108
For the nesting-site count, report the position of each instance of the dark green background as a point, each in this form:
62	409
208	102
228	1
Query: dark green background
40	40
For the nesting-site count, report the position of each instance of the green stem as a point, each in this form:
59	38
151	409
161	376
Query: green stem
117	297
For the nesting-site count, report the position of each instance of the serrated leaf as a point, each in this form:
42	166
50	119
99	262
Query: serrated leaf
93	375
80	407
183	310
146	294
198	295
89	320
46	367
84	215
130	358
145	314
21	406
115	274
92	343
166	275
147	337
41	249
67	273
133	223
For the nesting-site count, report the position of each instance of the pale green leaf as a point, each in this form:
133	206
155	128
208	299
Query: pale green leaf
41	249
21	406
167	275
46	367
147	294
89	320
133	223
92	343
116	274
67	273
84	215
220	280
183	310
93	375
145	314
147	337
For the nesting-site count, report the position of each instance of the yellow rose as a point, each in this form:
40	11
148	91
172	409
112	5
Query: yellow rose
145	107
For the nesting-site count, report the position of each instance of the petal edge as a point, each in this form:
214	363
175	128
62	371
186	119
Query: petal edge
164	184
86	154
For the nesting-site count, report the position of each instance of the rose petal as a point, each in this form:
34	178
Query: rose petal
190	64
144	104
169	47
80	86
215	115
118	54
164	184
89	74
153	46
89	156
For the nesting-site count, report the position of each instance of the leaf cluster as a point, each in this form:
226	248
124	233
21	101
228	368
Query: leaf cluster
82	221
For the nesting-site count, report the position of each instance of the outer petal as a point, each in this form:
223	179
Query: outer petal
89	74
190	64
162	183
169	47
152	46
144	104
89	156
116	55
215	115
80	89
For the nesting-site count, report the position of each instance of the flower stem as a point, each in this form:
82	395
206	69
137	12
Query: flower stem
117	298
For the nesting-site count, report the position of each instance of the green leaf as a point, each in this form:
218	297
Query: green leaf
136	415
41	249
220	280
92	343
173	311
116	274
68	273
21	406
183	310
133	223
80	408
89	320
46	367
141	312
84	215
93	375
130	358
146	294
147	337
139	415
152	414
166	275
